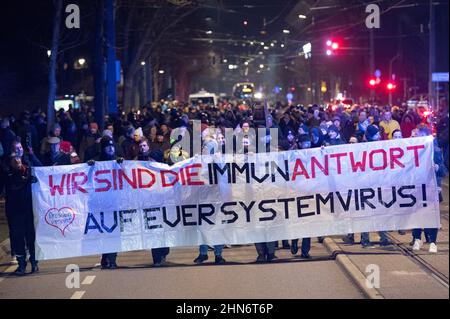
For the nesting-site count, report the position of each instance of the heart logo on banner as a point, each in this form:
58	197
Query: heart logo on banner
60	218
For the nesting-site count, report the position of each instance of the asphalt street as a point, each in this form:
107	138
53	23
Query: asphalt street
288	277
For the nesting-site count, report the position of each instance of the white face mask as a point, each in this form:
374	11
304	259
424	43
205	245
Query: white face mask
19	150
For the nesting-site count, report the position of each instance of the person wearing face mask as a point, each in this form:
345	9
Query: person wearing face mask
54	132
55	156
108	153
18	206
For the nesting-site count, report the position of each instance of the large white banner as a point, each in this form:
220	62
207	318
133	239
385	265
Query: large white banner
109	207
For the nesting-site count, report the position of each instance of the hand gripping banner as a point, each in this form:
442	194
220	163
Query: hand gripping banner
235	199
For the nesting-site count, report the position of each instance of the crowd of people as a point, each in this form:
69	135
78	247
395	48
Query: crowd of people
145	134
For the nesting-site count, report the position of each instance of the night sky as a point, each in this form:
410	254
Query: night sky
27	26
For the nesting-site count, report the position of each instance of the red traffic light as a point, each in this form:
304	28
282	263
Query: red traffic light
332	47
372	82
391	86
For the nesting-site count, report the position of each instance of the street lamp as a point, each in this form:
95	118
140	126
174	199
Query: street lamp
301	16
49	53
81	61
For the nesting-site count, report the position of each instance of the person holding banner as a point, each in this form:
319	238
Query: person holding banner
108	153
304	143
372	135
18	206
441	171
158	254
55	156
210	146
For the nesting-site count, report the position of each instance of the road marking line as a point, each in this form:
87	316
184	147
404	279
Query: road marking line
88	280
77	295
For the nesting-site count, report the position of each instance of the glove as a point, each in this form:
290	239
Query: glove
120	160
91	162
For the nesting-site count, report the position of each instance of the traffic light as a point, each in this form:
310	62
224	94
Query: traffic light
332	47
373	82
391	86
